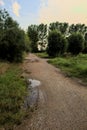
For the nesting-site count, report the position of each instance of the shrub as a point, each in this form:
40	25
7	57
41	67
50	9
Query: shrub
12	38
57	44
12	45
76	43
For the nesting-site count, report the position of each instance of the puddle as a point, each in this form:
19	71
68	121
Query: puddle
33	93
34	83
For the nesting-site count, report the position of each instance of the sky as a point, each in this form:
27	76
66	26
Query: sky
28	12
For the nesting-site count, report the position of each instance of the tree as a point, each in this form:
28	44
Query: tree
27	43
53	26
33	35
78	28
76	43
57	44
12	45
3	17
85	44
10	23
12	38
62	27
42	35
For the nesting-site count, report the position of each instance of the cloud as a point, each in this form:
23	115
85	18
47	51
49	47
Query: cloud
1	3
72	11
16	7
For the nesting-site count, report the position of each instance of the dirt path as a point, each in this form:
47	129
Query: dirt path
62	103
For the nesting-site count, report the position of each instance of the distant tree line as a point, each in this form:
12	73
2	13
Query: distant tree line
13	40
59	38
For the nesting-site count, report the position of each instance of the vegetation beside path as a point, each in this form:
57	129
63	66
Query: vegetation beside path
12	93
42	55
73	66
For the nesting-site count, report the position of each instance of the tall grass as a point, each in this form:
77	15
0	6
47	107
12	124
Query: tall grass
72	66
12	92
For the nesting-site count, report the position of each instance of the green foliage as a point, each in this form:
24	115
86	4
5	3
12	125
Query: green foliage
62	27
12	93
12	45
12	38
78	28
3	17
34	47
27	43
57	44
10	23
85	44
85	48
72	66
76	43
38	36
42	35
42	55
33	35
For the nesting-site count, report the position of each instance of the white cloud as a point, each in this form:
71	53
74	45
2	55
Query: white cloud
16	7
1	3
72	11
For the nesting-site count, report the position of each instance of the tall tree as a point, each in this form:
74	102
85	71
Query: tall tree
62	27
85	44
42	35
57	44
3	17
33	35
12	38
78	28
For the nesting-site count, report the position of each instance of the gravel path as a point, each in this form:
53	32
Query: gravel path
62	101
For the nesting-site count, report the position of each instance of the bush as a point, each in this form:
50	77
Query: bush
12	45
12	39
57	44
76	43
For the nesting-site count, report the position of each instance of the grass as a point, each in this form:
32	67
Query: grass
12	93
72	66
42	55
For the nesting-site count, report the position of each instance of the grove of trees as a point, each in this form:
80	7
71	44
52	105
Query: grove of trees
57	38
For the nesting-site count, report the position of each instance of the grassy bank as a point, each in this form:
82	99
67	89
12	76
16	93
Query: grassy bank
12	92
72	66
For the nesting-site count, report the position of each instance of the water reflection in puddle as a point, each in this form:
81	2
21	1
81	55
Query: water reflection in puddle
34	83
33	93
